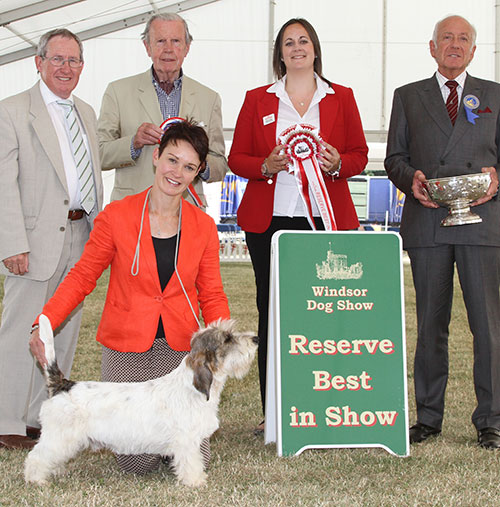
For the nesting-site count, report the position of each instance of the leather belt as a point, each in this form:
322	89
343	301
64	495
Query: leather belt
75	214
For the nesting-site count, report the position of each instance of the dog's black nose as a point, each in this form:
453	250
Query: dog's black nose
255	339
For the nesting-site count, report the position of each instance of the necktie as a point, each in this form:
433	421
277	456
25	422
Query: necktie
452	102
82	159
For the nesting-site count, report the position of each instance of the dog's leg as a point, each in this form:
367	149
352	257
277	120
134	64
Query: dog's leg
49	456
188	464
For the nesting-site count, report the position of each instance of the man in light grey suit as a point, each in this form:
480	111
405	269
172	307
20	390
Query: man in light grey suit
429	138
133	109
43	226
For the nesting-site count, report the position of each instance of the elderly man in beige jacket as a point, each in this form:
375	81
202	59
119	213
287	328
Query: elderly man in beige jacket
133	109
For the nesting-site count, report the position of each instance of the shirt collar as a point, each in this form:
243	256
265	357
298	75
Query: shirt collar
322	87
177	82
49	96
459	79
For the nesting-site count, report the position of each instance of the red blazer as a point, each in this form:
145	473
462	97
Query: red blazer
134	303
340	126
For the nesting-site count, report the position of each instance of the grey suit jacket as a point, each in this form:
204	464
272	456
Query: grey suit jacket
34	199
133	100
422	137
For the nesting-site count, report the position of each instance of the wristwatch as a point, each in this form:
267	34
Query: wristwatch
265	172
335	173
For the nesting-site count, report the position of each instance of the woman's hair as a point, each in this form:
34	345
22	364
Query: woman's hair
187	131
278	64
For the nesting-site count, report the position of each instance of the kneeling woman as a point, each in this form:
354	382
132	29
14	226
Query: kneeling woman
164	257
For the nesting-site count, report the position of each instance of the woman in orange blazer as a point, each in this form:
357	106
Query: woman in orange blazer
164	257
272	201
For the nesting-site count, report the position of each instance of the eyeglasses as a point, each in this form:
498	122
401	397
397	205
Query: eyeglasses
59	61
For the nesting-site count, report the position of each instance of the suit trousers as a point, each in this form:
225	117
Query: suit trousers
22	385
259	247
479	275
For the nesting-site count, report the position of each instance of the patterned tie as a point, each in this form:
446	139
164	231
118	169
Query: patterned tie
82	159
452	102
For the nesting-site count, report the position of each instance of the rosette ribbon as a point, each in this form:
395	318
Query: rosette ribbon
191	191
303	145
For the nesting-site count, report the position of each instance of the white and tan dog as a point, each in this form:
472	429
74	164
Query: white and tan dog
168	416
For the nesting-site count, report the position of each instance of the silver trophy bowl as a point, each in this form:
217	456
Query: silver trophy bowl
457	193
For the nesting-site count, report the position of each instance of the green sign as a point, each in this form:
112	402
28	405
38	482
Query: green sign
336	361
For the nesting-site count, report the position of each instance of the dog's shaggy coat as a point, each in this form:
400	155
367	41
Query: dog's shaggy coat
168	416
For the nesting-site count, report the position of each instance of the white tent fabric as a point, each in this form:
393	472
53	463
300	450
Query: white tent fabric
370	46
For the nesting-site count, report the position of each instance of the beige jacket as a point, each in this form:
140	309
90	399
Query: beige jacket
35	201
129	102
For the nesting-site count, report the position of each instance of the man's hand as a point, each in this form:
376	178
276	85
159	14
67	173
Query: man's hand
17	264
419	191
492	189
37	347
147	133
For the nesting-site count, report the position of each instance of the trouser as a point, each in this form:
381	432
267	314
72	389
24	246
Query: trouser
22	385
259	247
479	274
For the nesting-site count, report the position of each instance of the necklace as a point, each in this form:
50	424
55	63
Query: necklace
154	220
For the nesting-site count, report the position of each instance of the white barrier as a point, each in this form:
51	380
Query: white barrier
233	247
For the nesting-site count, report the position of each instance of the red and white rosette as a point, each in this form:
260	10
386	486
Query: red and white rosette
191	191
303	145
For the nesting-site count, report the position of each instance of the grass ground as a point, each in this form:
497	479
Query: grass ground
448	471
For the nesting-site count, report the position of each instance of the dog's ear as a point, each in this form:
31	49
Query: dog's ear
202	364
202	379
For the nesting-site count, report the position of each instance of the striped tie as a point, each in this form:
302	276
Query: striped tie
452	102
82	159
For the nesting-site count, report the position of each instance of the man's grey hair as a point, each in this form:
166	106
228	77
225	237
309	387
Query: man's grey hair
436	29
168	16
41	49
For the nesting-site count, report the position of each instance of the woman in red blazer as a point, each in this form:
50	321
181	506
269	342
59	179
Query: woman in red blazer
272	200
164	257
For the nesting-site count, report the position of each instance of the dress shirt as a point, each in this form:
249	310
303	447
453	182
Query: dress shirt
287	199
446	91
57	115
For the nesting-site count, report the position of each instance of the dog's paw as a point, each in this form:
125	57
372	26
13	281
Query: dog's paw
194	482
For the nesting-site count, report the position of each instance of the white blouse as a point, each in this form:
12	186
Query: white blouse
287	199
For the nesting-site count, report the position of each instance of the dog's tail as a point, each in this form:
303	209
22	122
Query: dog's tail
53	375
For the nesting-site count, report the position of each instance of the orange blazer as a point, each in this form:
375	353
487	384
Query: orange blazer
134	303
254	139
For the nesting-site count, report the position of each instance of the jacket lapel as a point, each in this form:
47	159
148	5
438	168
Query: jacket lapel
267	109
44	130
149	99
88	124
432	100
147	251
188	98
328	110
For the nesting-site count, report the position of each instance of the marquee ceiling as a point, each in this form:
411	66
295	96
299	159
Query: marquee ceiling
23	22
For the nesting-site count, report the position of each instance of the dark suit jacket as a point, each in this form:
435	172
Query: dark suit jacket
340	126
421	136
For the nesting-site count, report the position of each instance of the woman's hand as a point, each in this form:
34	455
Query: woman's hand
37	347
329	158
276	162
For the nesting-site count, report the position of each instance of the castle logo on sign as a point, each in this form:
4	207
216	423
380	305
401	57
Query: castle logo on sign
335	267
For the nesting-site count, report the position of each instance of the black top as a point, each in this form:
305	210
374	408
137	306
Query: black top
165	258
